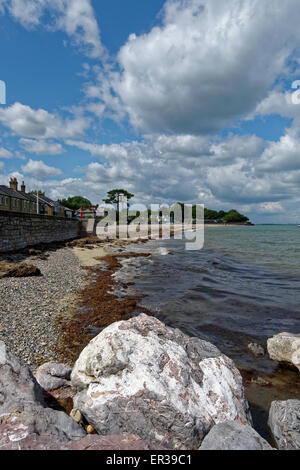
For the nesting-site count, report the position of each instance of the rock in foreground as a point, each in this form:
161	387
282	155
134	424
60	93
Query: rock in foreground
22	402
17	384
53	375
113	443
285	348
284	422
18	436
234	436
140	377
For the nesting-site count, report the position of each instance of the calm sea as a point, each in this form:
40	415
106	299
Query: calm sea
243	286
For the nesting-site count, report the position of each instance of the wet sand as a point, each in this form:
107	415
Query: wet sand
87	257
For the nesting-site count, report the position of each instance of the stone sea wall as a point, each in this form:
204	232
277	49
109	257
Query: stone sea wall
18	230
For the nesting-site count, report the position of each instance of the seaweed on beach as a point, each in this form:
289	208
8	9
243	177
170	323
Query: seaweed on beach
18	270
99	306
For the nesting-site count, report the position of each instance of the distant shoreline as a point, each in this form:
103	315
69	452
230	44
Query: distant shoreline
229	225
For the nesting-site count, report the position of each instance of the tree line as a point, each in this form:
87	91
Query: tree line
113	197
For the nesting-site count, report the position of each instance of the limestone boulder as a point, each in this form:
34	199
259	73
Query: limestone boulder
285	348
141	377
53	375
232	435
284	422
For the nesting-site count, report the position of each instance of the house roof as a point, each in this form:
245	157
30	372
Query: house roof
12	193
2	192
48	201
5	191
30	197
42	199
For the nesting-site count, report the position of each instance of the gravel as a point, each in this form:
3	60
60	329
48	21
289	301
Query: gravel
29	306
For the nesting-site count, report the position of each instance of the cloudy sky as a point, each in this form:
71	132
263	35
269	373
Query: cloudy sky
178	100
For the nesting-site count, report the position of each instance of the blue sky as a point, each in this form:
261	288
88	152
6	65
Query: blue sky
186	100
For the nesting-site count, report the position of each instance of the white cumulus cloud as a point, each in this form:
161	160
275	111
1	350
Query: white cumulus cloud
283	155
25	121
210	62
75	17
41	147
40	170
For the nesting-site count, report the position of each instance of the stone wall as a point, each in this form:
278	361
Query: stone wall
18	230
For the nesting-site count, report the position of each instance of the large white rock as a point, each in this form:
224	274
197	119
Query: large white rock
284	422
285	348
140	376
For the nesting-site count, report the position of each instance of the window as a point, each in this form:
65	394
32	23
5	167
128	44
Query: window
6	201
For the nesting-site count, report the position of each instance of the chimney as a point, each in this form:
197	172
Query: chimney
13	184
23	187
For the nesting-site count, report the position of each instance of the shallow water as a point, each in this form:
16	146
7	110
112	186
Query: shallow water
243	286
235	286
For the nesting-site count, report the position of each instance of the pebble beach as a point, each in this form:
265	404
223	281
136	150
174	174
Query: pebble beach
29	306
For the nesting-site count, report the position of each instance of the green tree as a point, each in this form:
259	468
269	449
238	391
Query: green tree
76	202
234	216
221	215
210	214
39	192
113	197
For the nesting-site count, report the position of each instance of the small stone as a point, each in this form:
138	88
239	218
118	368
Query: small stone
260	381
90	429
76	415
256	349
